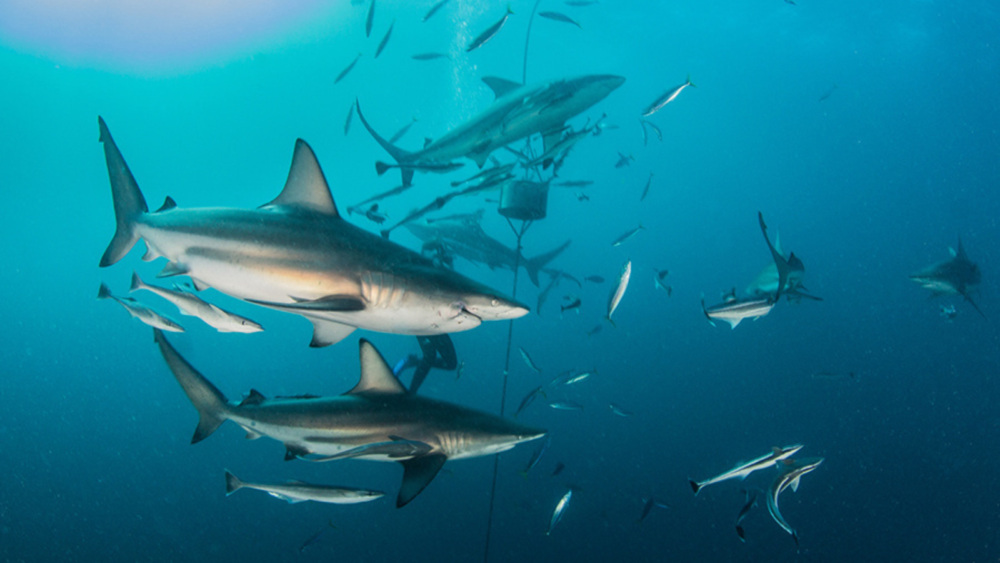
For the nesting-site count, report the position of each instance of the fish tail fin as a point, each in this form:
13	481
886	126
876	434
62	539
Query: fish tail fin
205	397
137	283
104	292
128	200
534	265
399	155
381	167
694	486
233	483
692	84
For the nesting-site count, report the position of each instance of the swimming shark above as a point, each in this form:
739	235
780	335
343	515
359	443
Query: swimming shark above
297	254
955	276
519	111
376	420
787	271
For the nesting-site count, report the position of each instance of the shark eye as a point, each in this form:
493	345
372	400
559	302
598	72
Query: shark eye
495	302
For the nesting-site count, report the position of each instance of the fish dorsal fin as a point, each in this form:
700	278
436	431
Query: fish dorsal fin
794	484
306	186
376	375
254	398
168	204
500	86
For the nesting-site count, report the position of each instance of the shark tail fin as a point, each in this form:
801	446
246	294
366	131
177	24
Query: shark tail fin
233	483
534	265
206	398
128	200
104	292
399	155
694	486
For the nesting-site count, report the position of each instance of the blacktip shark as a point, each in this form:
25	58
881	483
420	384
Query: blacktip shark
297	254
789	478
955	276
519	111
742	470
297	491
790	267
376	420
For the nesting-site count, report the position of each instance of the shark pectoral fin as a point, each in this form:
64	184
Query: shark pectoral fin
326	333
172	269
376	375
417	474
733	323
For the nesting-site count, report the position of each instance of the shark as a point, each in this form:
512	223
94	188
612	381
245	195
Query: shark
957	275
297	254
470	241
789	477
376	420
783	276
517	112
742	470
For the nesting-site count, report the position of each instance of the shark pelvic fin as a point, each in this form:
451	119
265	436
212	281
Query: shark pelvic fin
417	474
376	375
326	333
306	186
501	86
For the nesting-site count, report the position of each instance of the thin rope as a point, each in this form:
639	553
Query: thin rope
506	371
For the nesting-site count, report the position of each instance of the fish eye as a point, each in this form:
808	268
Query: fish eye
495	302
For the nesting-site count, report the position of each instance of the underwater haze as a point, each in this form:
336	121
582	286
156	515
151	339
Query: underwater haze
867	135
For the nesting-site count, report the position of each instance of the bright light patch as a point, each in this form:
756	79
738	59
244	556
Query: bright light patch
147	35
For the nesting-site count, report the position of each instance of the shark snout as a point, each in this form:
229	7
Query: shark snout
496	308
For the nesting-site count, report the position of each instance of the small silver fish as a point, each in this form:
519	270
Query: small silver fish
560	17
490	32
429	56
370	19
566	406
627	235
385	39
141	312
645	191
616	297
619	411
558	512
666	98
527	359
349	67
350	117
434	9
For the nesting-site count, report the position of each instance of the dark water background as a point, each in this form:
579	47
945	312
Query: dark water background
867	186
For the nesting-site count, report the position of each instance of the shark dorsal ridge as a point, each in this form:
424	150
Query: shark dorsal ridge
500	86
376	375
306	186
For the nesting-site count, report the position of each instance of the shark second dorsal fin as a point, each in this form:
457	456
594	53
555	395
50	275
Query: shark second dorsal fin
306	186
500	86
255	397
376	375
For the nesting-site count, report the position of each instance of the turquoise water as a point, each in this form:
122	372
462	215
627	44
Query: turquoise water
866	134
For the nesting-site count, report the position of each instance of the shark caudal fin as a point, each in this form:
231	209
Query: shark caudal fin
128	201
233	483
399	155
534	265
694	486
209	401
779	261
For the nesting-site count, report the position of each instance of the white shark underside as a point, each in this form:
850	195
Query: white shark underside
376	420
518	112
297	254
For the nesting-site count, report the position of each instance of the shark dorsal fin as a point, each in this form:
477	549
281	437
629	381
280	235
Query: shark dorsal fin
168	204
306	186
500	86
255	397
376	375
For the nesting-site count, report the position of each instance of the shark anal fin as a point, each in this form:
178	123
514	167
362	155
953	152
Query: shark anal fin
417	474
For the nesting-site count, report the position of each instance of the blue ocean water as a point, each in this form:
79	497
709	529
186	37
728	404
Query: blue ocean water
867	134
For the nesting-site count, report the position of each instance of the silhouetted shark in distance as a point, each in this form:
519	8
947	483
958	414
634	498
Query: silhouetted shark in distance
955	276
